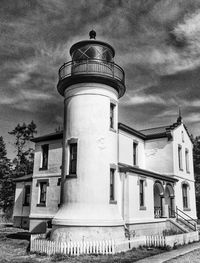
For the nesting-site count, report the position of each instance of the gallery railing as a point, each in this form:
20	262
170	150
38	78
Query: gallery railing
92	67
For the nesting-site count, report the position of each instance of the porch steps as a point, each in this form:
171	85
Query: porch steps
179	225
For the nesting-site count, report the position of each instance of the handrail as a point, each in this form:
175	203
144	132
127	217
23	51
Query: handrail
186	214
91	66
194	227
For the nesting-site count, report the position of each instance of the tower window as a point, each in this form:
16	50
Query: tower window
135	153
73	158
44	159
112	184
27	193
112	116
180	157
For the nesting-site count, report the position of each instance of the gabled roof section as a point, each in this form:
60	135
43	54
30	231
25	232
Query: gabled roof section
130	130
124	168
49	137
147	134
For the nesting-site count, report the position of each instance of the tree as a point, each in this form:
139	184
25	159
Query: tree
196	159
24	160
6	182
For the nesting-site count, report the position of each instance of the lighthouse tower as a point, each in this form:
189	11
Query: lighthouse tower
91	85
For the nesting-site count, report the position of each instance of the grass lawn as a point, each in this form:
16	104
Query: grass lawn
14	243
192	257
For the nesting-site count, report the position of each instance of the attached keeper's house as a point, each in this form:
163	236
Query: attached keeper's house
99	179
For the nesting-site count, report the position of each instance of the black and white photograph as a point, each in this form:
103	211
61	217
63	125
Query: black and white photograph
99	131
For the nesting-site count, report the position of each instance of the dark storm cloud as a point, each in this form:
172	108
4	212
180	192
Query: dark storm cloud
156	42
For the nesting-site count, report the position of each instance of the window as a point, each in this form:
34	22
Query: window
44	160
141	192
182	135
43	193
185	195
187	160
72	158
112	116
135	147
180	157
27	194
112	184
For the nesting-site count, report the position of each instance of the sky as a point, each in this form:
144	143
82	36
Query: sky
157	43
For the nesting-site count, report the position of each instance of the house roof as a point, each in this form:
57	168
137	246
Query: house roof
49	137
27	177
145	134
128	168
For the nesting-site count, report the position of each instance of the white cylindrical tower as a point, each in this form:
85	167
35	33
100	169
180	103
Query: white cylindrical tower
91	85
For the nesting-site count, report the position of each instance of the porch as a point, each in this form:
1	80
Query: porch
164	204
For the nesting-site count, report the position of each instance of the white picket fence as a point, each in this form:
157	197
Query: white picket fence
71	248
155	241
39	243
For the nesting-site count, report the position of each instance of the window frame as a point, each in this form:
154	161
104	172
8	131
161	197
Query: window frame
38	184
73	147
142	181
70	143
187	164
112	185
27	203
180	158
44	157
185	188
112	115
135	153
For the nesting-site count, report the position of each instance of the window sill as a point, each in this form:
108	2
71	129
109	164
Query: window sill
113	130
69	176
188	172
43	169
186	209
113	202
143	208
41	205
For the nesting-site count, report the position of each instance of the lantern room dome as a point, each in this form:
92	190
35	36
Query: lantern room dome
92	61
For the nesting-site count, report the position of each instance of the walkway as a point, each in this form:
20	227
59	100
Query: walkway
160	258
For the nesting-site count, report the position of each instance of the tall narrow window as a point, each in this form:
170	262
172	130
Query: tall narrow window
27	193
141	192
185	195
73	158
112	116
180	157
112	184
135	146
182	135
45	153
187	160
43	193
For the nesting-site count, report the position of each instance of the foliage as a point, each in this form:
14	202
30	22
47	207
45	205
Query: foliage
196	158
24	160
6	182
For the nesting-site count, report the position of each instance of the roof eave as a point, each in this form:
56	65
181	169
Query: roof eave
127	168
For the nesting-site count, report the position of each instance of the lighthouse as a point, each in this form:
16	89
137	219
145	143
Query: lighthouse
91	84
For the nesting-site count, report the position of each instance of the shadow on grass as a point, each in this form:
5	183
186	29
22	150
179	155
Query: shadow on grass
19	235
